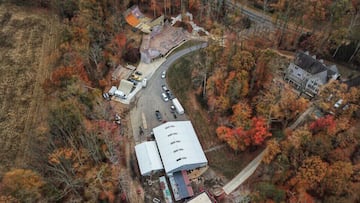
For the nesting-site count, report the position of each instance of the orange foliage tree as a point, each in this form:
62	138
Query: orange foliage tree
241	114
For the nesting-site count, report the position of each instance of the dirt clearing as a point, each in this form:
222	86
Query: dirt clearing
28	39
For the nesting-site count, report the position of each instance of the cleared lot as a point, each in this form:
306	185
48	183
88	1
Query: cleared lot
27	41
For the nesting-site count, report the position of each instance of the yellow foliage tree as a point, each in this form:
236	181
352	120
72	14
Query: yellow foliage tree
273	149
337	178
312	172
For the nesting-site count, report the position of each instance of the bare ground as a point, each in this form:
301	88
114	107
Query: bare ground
29	38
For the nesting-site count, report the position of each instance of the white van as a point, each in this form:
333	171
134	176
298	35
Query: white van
144	82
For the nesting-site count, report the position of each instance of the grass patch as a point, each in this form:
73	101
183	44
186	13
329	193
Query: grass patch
180	77
230	163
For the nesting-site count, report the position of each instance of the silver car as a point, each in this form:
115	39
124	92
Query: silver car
164	97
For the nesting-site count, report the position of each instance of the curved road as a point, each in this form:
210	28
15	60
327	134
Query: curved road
149	99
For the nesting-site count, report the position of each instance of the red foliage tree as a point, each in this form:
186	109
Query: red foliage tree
259	131
326	124
240	139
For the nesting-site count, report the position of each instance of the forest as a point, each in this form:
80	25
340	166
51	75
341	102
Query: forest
79	155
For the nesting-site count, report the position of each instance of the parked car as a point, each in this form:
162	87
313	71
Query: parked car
138	73
163	74
164	88
338	103
136	77
164	97
133	81
156	200
172	108
169	94
144	82
158	115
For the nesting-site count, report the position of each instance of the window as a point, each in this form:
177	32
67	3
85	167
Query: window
170	126
180	149
176	141
171	134
180	158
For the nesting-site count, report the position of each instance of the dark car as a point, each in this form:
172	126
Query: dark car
138	73
158	115
169	94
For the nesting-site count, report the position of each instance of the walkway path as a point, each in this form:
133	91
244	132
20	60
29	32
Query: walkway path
302	117
244	174
214	148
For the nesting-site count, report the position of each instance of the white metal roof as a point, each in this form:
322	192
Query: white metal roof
179	146
125	86
148	157
202	198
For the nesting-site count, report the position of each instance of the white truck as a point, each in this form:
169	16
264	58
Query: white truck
178	107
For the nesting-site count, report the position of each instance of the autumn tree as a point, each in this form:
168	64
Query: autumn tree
239	139
24	185
273	149
242	60
226	134
312	172
260	76
258	131
241	114
236	86
337	178
325	124
280	103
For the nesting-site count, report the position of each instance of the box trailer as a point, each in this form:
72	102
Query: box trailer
178	107
112	91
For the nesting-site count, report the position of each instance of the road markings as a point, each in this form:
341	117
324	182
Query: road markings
144	120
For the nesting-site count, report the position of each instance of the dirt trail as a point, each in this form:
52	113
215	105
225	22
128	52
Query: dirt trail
26	55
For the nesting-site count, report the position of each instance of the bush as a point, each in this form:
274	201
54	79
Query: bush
268	190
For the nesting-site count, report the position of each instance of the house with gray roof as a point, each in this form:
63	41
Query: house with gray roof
308	74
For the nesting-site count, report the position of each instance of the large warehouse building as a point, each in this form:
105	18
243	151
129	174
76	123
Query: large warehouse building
178	146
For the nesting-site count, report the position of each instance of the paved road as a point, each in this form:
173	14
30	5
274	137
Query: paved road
149	99
252	14
265	22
